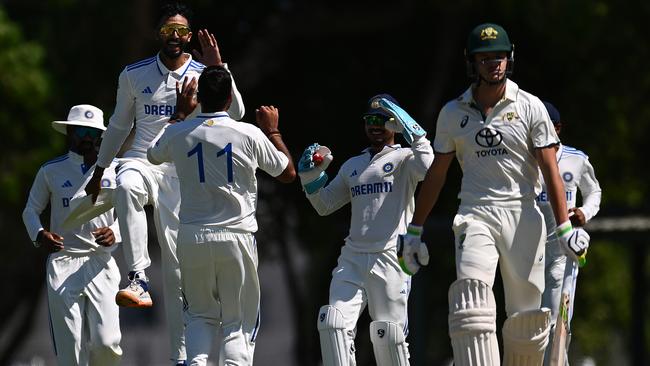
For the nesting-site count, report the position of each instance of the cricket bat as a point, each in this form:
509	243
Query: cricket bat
562	325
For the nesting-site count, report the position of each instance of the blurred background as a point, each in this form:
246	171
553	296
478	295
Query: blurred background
319	62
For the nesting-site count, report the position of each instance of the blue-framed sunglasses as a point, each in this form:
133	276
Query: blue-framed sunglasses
82	131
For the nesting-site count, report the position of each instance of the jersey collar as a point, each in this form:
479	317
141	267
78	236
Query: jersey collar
78	160
394	147
178	73
512	90
213	115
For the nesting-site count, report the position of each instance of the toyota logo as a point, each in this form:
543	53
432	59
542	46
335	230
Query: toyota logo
488	138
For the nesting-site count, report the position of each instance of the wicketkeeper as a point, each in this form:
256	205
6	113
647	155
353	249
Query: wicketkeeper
379	184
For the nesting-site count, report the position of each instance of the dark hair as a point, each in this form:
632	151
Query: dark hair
215	86
170	9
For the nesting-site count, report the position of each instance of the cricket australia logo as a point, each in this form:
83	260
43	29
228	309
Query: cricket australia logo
510	116
489	33
491	139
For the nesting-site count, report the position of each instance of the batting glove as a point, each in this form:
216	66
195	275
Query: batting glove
311	167
574	241
412	253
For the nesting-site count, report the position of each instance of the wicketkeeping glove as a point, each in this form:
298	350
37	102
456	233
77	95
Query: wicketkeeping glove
311	167
412	253
401	121
575	242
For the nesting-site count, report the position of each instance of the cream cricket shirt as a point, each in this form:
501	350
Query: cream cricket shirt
496	152
56	183
146	95
216	159
380	190
577	173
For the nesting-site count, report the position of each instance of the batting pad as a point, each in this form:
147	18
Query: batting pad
83	209
472	323
525	337
389	344
336	347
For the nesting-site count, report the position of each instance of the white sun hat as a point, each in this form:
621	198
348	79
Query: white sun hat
82	115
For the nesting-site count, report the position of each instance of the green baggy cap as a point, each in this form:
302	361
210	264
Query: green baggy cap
488	37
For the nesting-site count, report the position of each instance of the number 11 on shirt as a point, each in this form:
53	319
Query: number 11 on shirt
198	150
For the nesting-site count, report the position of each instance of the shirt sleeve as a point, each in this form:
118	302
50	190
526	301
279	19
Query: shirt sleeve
158	151
39	197
421	158
120	123
115	226
542	131
236	109
331	197
269	158
590	191
443	142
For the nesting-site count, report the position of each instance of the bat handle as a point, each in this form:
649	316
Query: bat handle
582	260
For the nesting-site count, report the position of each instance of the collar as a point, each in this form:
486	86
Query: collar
220	114
512	90
394	147
78	160
178	73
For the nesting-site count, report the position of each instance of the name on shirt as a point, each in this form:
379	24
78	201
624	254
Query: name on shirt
543	197
159	109
371	188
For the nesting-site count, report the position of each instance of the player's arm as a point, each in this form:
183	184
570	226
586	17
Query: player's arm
591	195
432	184
267	118
422	157
331	197
39	196
547	162
236	110
118	130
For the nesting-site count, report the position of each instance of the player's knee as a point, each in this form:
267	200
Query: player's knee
130	184
526	333
472	308
329	317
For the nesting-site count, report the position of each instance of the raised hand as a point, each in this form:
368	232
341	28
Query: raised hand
209	55
186	100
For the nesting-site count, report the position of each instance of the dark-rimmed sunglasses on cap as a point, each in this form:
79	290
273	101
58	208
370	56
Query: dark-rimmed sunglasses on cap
169	29
374	120
82	131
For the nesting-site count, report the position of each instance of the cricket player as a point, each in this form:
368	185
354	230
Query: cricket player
577	173
216	159
502	137
146	94
82	276
379	184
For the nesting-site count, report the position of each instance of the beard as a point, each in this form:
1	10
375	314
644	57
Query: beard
173	48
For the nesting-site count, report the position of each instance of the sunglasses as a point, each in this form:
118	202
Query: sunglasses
374	120
169	29
82	131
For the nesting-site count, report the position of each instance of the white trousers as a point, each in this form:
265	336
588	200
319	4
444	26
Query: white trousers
372	279
138	185
513	238
221	287
84	318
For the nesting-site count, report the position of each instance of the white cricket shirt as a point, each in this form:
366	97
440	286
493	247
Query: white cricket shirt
577	173
496	152
56	183
216	159
380	190
146	95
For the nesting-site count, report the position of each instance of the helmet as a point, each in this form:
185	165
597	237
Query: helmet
379	111
488	37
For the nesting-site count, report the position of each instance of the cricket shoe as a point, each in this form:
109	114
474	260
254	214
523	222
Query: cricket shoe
136	294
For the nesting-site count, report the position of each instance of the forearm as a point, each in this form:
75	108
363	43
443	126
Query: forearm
236	109
591	204
428	196
554	186
422	156
32	222
111	143
289	173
